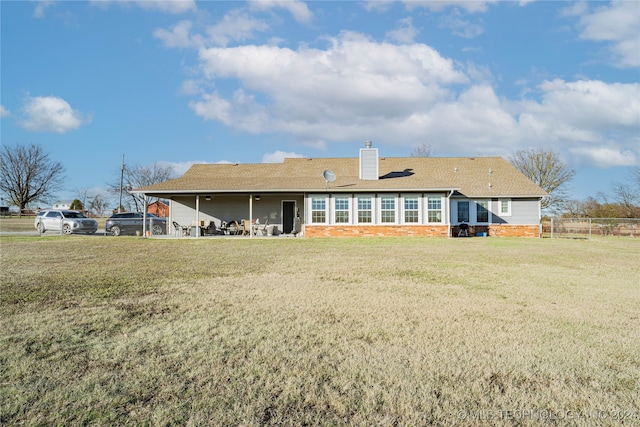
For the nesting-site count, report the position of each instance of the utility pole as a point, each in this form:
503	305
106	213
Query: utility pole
121	179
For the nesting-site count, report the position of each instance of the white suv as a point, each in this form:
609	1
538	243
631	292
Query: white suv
68	221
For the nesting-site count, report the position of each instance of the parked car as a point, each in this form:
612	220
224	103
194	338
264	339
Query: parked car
130	222
70	221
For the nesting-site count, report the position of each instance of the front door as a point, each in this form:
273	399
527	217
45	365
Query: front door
288	214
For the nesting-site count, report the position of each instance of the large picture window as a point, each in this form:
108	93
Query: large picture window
434	209
411	211
387	209
364	210
341	212
318	210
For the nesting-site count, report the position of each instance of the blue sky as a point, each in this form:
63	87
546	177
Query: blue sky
183	82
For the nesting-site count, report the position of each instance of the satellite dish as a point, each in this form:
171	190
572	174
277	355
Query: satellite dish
329	176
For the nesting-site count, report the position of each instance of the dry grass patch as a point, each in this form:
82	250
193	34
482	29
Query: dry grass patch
332	332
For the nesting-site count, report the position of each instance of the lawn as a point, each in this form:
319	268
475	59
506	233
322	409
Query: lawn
373	331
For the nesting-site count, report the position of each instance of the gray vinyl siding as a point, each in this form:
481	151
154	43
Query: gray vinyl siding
523	211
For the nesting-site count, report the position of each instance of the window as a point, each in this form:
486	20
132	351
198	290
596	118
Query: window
482	211
387	209
341	209
434	209
318	210
411	212
463	211
364	209
505	207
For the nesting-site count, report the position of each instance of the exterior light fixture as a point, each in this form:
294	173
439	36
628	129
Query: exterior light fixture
207	198
257	197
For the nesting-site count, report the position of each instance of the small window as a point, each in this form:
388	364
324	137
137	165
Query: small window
388	209
463	211
364	210
318	210
505	207
341	210
411	212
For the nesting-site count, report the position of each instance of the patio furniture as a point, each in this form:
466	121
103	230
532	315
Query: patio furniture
261	229
246	227
183	230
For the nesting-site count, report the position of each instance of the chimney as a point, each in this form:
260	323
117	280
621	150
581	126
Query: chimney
368	162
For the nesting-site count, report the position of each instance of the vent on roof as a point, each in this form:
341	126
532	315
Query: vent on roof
369	162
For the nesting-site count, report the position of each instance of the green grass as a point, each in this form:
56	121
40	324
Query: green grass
395	331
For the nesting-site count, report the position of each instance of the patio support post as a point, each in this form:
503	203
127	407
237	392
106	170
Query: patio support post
197	215
144	214
250	215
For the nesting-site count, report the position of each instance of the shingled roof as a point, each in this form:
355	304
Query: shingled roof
470	176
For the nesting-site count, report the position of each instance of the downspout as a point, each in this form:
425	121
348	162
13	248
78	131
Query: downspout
250	215
145	205
197	215
449	214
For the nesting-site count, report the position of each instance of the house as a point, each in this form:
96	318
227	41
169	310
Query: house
367	195
62	205
158	208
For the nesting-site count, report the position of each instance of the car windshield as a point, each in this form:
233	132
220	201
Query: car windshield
73	215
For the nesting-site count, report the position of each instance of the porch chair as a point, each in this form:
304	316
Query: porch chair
180	229
246	227
261	230
238	228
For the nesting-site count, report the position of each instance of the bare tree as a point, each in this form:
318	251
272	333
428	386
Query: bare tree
98	205
423	150
28	175
548	171
140	176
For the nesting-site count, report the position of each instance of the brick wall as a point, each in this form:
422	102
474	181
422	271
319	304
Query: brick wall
375	230
415	230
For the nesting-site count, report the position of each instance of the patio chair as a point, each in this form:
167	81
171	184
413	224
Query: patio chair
246	227
261	229
180	229
238	227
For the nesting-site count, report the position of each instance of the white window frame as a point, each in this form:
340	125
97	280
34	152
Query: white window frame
311	210
427	210
335	210
395	208
508	212
403	201
372	209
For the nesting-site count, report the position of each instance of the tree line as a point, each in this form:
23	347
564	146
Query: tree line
28	176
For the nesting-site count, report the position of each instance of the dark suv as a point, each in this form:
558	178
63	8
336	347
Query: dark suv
130	222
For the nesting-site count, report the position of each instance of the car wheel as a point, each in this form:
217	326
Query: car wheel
115	230
157	229
40	228
66	229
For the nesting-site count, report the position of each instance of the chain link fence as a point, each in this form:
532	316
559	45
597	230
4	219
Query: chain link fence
588	228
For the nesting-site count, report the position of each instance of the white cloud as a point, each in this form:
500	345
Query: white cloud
51	114
606	157
166	6
41	7
405	32
460	26
298	9
618	24
470	6
235	26
355	89
279	156
4	112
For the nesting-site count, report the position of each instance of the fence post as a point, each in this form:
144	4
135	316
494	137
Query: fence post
552	227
